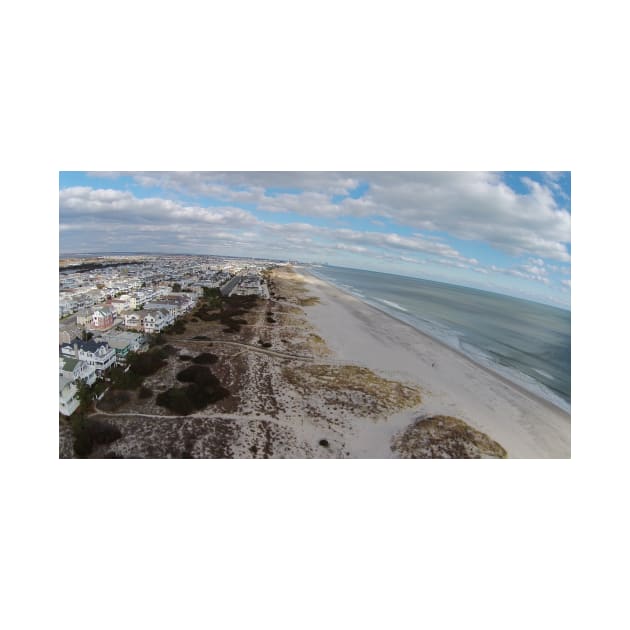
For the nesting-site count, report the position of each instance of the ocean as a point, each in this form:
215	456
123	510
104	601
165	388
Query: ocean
526	342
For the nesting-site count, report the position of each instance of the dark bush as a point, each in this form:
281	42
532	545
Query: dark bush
185	357
89	433
205	358
175	399
197	374
179	327
264	344
148	363
202	338
124	380
271	320
203	388
114	399
145	392
324	443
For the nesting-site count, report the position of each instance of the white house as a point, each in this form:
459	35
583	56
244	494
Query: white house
95	353
156	320
67	401
133	320
75	370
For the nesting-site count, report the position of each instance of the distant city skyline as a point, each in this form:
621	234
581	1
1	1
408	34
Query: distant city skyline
504	232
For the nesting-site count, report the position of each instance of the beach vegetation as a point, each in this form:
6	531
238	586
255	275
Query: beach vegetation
88	433
352	387
445	437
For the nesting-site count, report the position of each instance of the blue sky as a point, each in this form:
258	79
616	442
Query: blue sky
506	232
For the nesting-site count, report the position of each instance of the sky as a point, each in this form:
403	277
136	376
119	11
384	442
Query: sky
507	232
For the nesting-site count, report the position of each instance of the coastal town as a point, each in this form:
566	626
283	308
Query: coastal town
112	306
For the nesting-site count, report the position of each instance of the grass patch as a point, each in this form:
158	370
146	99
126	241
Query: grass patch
309	301
356	388
445	437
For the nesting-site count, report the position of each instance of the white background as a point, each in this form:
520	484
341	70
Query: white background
322	86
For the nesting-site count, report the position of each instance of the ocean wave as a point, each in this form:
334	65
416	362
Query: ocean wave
393	305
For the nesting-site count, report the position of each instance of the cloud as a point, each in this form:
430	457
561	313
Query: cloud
477	206
115	205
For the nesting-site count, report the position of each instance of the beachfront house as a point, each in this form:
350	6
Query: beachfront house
76	370
123	343
95	353
68	403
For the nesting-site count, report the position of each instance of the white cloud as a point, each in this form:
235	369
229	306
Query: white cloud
468	205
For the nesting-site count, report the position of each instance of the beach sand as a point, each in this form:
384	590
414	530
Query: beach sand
451	384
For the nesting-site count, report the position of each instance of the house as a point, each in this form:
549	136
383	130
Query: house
123	343
68	333
103	317
133	319
84	317
95	353
156	320
67	392
75	370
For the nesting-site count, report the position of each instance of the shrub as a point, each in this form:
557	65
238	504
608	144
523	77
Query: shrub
114	399
148	363
175	399
197	374
145	392
185	357
205	358
125	380
203	388
178	327
90	433
324	443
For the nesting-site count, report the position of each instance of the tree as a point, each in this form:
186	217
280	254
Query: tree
84	395
177	287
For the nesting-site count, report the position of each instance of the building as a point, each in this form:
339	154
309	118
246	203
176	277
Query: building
95	353
68	402
84	317
123	343
76	370
103	317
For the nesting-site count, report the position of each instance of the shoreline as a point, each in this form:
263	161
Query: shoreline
493	372
526	424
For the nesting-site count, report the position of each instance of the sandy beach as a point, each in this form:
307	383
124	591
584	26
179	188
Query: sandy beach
451	384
